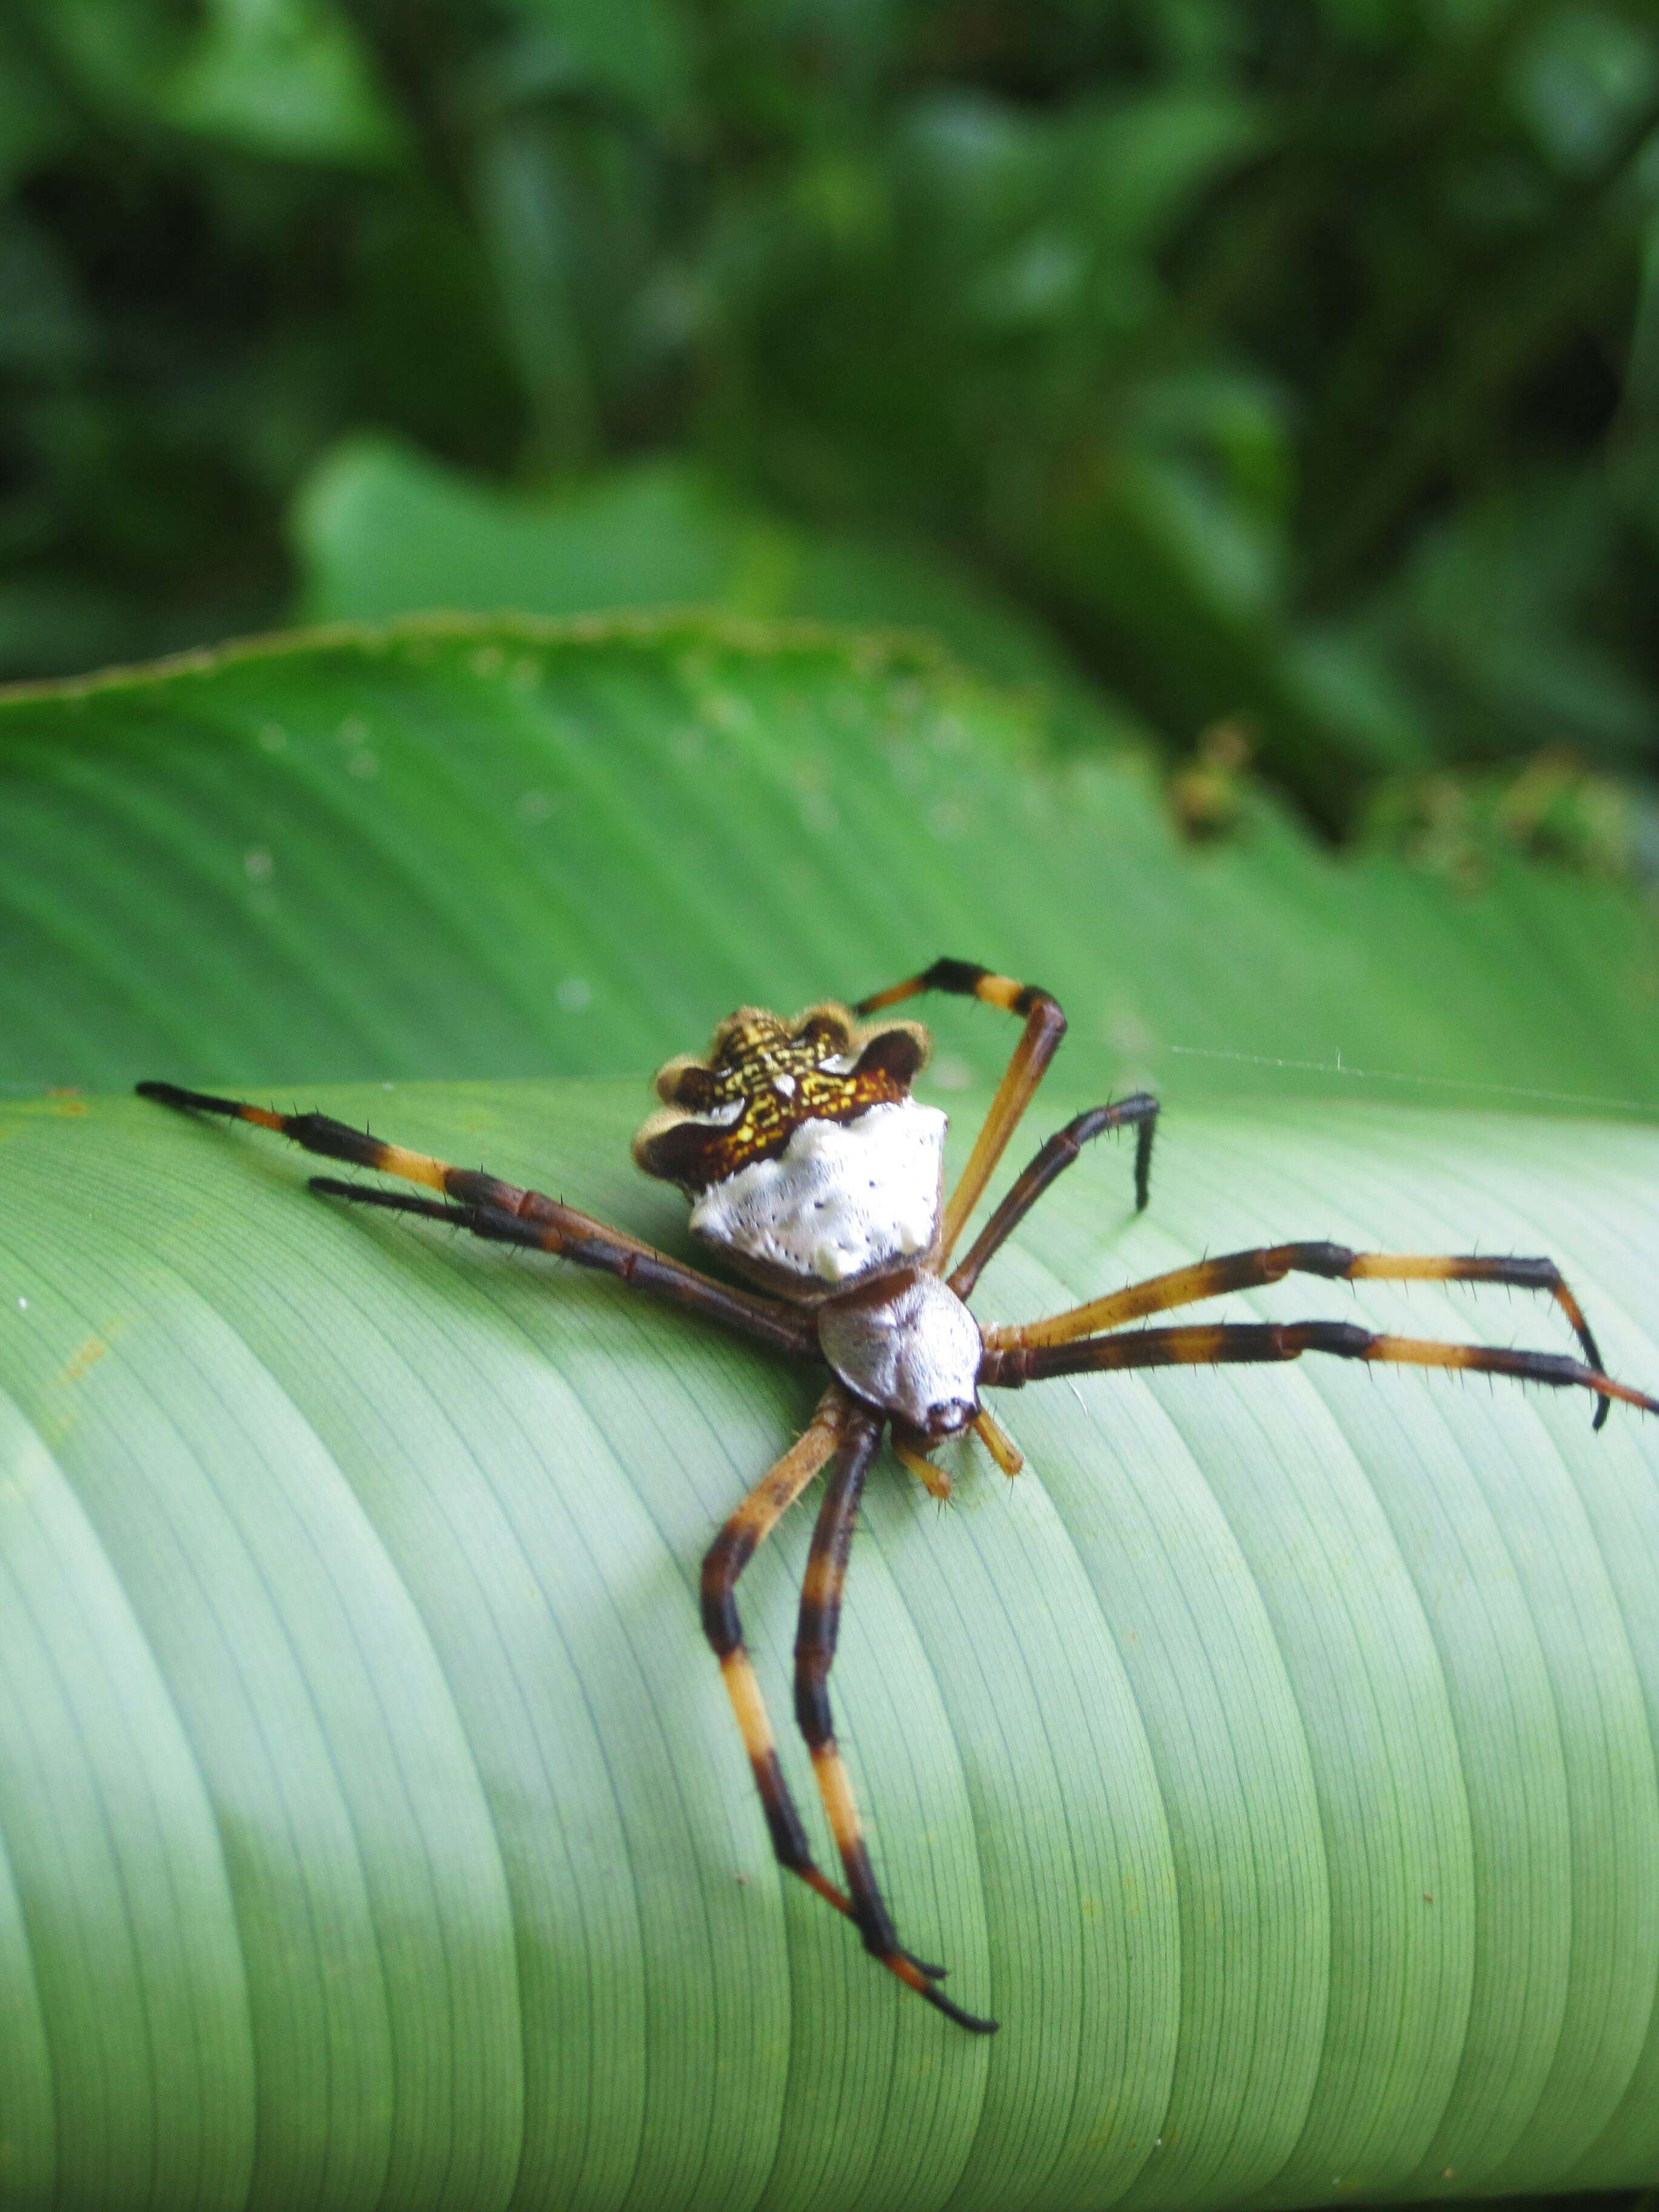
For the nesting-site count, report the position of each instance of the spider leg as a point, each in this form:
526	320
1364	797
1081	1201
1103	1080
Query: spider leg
1271	1263
1141	1110
815	1653
997	1442
505	1213
727	1556
933	1479
1226	1342
911	1453
1045	1025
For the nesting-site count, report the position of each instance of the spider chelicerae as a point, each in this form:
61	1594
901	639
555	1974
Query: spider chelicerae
812	1169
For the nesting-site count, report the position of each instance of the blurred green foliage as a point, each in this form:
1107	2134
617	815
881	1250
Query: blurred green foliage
1289	369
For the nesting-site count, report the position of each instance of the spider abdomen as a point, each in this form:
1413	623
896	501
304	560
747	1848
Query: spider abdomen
844	1200
913	1349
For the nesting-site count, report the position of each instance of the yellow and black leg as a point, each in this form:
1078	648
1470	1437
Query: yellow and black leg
1045	1026
728	1555
1271	1263
502	1212
1224	1343
1139	1112
815	1653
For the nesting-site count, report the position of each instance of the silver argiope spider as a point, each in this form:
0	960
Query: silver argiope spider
811	1169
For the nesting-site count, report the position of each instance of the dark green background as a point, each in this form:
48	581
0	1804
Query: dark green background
1285	378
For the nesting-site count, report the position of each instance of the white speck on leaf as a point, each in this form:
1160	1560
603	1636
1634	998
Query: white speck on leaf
574	993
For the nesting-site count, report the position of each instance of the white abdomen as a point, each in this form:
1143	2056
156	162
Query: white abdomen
842	1199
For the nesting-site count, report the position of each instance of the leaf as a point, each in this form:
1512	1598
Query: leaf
1486	621
506	848
635	51
288	78
380	530
1139	166
1274	1756
33	123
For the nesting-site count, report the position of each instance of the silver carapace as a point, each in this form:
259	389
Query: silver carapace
812	1170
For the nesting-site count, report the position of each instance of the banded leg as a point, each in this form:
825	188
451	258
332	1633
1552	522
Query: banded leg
1271	1263
1138	1110
1223	1343
728	1555
1045	1025
815	1654
505	1213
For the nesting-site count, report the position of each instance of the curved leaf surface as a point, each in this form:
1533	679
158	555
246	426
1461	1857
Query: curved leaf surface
381	529
1275	1756
509	849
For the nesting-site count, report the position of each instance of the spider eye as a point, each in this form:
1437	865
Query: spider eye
949	1419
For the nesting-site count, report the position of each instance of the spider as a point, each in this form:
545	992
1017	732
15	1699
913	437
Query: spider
812	1169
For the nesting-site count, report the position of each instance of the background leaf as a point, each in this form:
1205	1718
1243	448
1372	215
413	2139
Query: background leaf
1295	378
285	77
381	531
503	849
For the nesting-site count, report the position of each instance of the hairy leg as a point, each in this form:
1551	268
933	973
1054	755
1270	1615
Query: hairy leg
505	1213
1224	1342
1271	1263
1140	1110
728	1555
815	1652
1045	1026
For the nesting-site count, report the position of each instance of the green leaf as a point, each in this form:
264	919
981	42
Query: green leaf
1274	1756
33	122
1487	620
380	529
471	849
288	78
637	50
1137	167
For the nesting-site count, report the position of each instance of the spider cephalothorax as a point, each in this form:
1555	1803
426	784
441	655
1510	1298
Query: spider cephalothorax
811	1168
